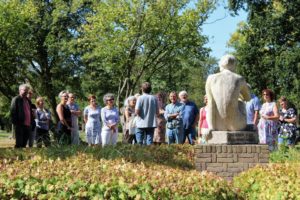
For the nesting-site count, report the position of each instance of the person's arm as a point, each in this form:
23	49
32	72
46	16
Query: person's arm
137	107
292	120
77	111
104	121
157	108
13	110
293	116
255	118
196	112
85	115
200	122
126	114
116	118
169	116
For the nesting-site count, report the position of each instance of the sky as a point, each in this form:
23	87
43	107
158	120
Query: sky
219	26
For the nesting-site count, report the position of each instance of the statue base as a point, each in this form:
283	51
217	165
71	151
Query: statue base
233	137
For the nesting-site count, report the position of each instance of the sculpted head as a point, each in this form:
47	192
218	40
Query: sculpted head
227	62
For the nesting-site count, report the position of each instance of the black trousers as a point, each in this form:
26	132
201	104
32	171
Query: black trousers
42	136
22	135
129	139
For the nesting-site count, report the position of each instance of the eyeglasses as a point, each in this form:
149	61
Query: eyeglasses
110	99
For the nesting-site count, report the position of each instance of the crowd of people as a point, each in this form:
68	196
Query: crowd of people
276	126
146	119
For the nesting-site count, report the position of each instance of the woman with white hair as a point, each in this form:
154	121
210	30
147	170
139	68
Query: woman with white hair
65	121
110	120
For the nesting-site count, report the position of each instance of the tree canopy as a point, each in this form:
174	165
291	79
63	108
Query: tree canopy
102	46
268	46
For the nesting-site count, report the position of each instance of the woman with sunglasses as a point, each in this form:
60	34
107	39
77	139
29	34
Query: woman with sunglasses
91	116
65	121
110	120
267	126
287	120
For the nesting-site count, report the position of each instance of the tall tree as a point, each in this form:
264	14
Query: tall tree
125	42
34	38
268	46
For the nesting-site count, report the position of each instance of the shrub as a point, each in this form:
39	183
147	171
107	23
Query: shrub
275	181
122	172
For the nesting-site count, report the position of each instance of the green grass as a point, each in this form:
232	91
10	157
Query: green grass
285	154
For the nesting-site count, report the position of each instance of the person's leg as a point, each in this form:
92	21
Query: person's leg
193	135
184	135
46	138
171	138
149	136
189	133
19	136
177	136
140	135
31	138
75	135
105	137
26	132
88	135
39	137
114	137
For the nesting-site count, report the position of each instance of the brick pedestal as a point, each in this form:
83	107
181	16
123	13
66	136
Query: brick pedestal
229	160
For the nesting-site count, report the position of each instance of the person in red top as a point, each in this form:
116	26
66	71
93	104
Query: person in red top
203	129
21	116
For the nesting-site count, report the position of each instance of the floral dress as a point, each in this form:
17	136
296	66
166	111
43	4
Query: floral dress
267	129
287	130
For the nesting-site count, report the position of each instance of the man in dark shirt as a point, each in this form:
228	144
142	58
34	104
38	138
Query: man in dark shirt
190	116
21	116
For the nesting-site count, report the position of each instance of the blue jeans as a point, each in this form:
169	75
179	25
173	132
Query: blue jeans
190	134
142	133
175	135
287	141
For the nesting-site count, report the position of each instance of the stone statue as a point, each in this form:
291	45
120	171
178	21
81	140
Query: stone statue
226	92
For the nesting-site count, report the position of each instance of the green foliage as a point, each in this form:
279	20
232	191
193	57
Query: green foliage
286	154
267	47
275	181
121	172
35	38
125	43
135	172
95	47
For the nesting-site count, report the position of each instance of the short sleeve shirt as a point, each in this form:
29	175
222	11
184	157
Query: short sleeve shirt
252	106
148	106
190	112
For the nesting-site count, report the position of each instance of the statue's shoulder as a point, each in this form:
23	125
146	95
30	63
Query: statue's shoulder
212	76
